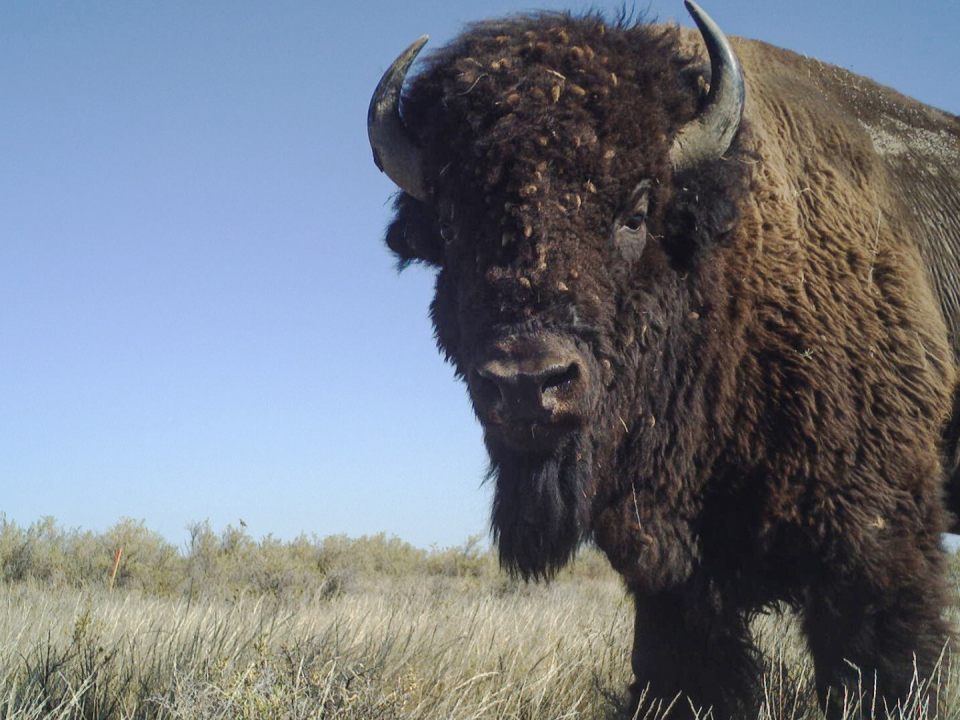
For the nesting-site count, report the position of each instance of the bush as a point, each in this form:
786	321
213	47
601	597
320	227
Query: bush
231	563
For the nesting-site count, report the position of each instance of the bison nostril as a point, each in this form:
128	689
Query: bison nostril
560	378
486	389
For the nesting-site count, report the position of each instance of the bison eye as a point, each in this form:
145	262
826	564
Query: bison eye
630	233
446	231
635	222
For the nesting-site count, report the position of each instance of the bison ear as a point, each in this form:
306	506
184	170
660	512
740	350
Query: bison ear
414	234
703	215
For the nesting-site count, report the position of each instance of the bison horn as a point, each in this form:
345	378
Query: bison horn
395	151
709	136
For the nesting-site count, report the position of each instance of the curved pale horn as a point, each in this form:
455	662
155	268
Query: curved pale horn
709	136
395	150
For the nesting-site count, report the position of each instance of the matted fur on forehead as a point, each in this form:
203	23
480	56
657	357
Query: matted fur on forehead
508	99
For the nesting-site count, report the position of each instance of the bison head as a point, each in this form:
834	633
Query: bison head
551	168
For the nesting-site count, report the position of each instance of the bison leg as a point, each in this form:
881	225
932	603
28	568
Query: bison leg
692	652
871	643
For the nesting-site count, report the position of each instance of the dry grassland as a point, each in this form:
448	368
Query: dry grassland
474	646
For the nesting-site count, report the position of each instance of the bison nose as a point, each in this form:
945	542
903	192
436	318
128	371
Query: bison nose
526	390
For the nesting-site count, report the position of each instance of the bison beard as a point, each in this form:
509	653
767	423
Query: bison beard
540	507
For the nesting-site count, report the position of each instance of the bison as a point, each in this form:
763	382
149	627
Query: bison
707	307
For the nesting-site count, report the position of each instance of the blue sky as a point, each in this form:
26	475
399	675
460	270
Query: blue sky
197	317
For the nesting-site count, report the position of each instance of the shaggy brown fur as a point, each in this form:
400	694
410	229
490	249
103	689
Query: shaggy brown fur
769	373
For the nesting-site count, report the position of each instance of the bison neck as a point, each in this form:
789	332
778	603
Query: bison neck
676	425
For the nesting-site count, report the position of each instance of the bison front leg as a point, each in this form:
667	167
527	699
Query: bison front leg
877	647
689	652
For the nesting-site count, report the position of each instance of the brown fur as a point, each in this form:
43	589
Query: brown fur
769	380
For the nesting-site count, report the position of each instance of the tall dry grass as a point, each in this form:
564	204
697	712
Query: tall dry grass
439	649
448	637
